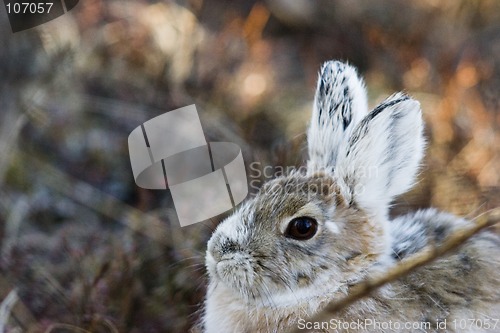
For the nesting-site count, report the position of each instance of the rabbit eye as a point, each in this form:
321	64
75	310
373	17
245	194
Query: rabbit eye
302	228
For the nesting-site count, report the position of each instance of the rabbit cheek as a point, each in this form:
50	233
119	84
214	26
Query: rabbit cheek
365	240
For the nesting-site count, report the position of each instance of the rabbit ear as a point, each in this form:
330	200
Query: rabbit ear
339	104
383	154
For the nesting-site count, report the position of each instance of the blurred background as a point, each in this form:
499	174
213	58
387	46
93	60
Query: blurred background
83	249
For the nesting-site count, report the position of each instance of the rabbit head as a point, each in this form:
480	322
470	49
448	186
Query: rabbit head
309	234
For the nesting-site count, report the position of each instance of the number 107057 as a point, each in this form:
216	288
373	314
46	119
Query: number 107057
29	7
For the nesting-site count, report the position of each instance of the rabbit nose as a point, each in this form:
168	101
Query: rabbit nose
228	246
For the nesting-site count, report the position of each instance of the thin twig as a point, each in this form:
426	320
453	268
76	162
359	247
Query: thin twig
69	327
5	309
12	305
406	266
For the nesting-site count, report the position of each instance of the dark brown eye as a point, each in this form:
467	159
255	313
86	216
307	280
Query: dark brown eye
302	228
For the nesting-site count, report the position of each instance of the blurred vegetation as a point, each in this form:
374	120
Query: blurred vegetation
83	249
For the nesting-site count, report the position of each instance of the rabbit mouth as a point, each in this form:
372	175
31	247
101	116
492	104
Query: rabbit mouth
236	271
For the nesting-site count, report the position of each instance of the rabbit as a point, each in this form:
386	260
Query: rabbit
307	237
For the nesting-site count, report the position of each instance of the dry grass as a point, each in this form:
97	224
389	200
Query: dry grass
86	250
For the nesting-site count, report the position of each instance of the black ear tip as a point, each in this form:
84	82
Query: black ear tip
332	66
329	73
